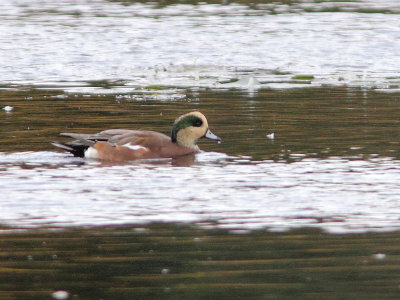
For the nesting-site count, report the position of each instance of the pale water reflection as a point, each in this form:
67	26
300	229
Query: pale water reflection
335	194
207	45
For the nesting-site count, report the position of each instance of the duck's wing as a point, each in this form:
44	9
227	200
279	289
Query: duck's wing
151	144
100	136
131	145
149	139
83	141
115	144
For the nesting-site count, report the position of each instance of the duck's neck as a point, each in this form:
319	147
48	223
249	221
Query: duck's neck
187	143
183	137
184	140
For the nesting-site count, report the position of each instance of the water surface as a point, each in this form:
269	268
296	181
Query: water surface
322	77
210	45
333	163
164	261
311	213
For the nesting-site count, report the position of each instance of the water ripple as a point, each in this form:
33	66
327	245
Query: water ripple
203	45
335	194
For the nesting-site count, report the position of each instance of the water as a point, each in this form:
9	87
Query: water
165	261
203	45
311	213
333	162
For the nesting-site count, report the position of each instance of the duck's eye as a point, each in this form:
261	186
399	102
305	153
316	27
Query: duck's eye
197	123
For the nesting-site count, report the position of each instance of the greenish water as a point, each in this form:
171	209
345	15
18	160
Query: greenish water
311	123
164	261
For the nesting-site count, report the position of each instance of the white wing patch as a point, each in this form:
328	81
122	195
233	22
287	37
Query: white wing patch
91	153
135	147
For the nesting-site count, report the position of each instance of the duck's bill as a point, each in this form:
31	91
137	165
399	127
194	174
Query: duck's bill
211	136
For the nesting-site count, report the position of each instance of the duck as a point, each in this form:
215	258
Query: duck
118	145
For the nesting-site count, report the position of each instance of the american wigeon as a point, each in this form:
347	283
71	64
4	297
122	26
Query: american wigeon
123	144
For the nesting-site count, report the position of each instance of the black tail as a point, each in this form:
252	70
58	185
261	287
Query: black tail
78	146
77	149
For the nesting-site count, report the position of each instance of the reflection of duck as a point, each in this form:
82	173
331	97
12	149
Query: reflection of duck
123	144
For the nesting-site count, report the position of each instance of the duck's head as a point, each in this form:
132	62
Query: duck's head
188	128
